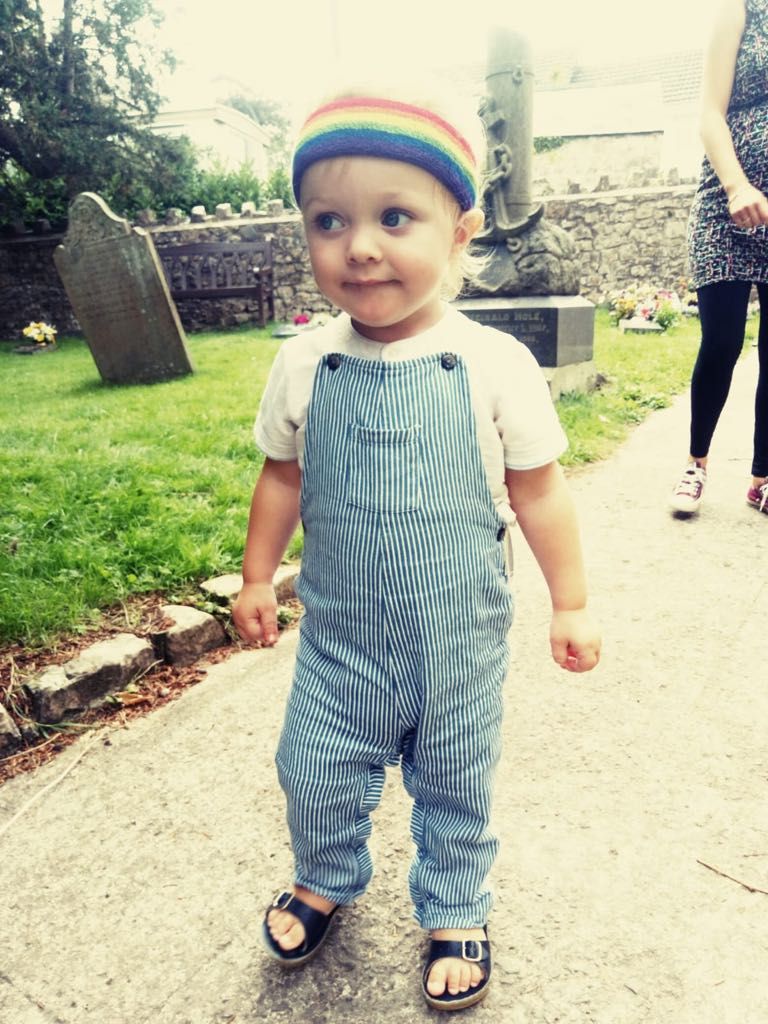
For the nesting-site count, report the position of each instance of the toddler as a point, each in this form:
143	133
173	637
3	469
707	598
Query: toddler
408	440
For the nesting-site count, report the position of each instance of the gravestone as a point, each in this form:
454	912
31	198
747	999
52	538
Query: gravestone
115	283
528	285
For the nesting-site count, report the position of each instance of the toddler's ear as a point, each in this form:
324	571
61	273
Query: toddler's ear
468	225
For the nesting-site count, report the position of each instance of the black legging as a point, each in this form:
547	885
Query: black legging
723	314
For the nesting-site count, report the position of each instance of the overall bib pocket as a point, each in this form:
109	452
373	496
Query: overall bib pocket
384	468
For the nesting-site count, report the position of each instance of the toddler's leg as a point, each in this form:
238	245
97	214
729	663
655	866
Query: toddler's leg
449	775
329	800
330	764
448	769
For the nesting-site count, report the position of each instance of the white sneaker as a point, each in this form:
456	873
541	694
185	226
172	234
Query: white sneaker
688	494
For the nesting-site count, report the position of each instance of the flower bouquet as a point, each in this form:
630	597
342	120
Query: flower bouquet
40	333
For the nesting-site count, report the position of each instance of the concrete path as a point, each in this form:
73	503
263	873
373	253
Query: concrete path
135	868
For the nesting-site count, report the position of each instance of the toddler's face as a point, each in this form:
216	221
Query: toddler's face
380	235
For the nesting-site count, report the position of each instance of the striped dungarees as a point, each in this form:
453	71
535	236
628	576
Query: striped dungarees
403	645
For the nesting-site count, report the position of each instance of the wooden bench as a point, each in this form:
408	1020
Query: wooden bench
221	270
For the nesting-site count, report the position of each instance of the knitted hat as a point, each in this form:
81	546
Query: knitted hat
371	126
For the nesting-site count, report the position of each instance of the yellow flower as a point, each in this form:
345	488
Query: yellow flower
40	332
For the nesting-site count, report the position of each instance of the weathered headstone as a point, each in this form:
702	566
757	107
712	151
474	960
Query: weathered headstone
529	283
115	283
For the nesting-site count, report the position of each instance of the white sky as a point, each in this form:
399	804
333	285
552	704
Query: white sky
283	51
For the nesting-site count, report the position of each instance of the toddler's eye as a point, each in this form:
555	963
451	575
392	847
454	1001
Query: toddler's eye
328	221
395	218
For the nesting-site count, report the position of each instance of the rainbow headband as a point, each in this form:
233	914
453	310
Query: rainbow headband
368	126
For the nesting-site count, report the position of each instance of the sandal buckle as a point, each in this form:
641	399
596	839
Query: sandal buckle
471	951
282	901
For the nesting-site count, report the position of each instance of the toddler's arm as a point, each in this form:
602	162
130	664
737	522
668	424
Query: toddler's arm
273	518
544	508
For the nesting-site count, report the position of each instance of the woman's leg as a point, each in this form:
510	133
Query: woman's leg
760	449
723	315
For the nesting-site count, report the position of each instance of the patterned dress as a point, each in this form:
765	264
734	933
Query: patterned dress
717	249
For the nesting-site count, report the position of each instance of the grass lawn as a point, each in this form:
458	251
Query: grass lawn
108	492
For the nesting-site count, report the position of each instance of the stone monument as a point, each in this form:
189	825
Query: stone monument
115	283
529	284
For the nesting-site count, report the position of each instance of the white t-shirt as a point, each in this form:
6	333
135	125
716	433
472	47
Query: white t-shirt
517	426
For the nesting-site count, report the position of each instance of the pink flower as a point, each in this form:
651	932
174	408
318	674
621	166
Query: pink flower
301	318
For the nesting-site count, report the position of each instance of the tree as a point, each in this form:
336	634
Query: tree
76	100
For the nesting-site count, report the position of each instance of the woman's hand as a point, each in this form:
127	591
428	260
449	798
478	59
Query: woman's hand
748	207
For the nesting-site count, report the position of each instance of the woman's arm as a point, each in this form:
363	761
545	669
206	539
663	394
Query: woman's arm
273	518
544	508
747	205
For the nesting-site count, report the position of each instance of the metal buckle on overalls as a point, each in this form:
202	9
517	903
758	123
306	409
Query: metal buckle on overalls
477	951
282	901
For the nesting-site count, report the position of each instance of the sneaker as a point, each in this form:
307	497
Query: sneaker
687	495
757	497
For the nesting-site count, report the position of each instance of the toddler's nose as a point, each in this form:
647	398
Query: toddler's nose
363	246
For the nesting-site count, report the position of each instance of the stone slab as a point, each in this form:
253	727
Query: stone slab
575	377
117	288
558	329
103	668
9	734
228	586
639	325
193	634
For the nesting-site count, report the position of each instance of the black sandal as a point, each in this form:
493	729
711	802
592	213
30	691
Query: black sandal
316	925
474	951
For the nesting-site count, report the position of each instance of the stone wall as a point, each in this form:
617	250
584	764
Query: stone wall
625	237
30	287
627	161
584	160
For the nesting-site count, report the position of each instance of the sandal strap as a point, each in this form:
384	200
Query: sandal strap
311	919
474	951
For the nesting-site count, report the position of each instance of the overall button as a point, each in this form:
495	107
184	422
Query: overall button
448	360
333	361
500	535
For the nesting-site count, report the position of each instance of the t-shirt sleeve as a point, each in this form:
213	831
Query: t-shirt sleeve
526	418
273	431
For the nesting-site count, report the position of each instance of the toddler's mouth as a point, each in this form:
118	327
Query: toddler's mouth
366	284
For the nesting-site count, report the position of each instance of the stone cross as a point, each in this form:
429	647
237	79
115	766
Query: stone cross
117	288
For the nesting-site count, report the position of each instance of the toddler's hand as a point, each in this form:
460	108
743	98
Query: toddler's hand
255	614
575	640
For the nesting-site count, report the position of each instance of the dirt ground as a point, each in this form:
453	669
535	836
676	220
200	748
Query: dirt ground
632	806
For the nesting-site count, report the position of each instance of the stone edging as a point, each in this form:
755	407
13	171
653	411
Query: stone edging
109	666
